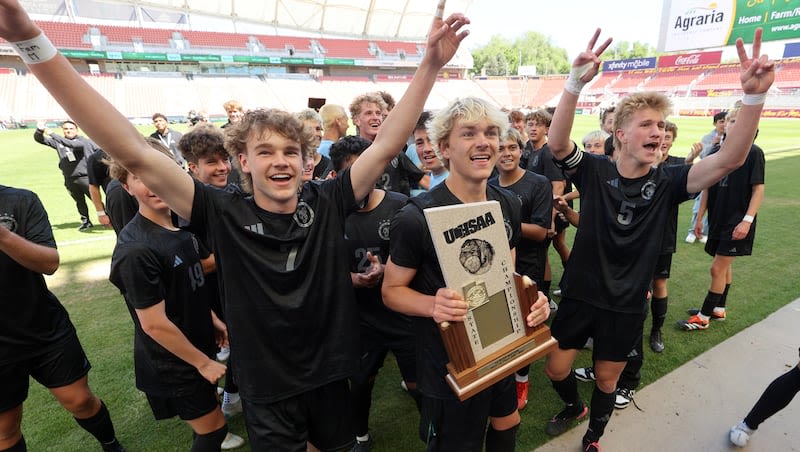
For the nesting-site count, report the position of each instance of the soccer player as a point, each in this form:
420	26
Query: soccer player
234	110
625	205
97	170
279	252
732	205
536	196
427	155
37	338
467	136
168	137
158	270
312	121
73	151
708	142
381	329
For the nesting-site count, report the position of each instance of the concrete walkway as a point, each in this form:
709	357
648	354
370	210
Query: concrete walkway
731	377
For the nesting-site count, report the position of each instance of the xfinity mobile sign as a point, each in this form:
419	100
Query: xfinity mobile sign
692	24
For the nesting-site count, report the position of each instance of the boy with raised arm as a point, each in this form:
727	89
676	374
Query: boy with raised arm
624	209
288	299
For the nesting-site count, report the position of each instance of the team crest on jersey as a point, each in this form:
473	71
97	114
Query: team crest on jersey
395	162
304	215
383	229
648	190
7	221
509	230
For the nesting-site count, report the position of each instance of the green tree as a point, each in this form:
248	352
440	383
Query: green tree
624	50
532	48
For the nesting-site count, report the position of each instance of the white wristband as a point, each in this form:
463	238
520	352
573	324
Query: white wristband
101	213
574	84
754	99
35	50
748	218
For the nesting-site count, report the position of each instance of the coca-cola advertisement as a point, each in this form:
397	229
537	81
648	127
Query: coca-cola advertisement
690	59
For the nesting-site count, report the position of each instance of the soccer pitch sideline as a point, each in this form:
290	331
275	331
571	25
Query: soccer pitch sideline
762	283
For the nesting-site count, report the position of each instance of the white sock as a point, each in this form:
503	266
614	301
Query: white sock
703	316
361	439
521	378
231	397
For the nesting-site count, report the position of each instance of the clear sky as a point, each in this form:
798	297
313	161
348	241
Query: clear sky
570	23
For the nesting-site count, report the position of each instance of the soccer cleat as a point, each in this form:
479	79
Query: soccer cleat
693	323
231	441
590	445
716	314
585	374
220	390
740	434
691	238
85	225
362	446
704	239
557	293
553	307
624	398
562	421
656	341
522	394
231	406
113	446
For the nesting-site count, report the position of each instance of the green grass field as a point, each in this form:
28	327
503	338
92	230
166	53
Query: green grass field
762	283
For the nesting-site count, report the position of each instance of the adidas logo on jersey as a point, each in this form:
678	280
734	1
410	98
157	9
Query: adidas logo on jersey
732	250
178	261
258	228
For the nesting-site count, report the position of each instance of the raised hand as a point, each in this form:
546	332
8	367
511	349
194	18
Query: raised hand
588	61
15	25
445	36
758	72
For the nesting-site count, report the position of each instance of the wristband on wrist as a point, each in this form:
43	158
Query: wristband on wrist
574	84
101	213
35	50
571	161
748	218
754	99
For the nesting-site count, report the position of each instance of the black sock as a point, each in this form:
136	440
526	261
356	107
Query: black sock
501	440
360	403
99	425
417	396
19	447
601	409
724	298
210	442
567	389
658	307
524	371
775	398
711	302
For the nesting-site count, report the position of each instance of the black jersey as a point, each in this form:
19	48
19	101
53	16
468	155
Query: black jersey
540	161
671	231
120	205
72	153
535	193
400	174
411	247
98	170
621	232
32	320
289	301
729	198
322	168
152	264
369	232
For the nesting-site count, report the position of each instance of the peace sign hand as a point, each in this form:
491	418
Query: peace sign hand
758	73
587	62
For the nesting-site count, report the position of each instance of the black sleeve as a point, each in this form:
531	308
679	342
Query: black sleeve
37	225
757	169
413	173
98	171
136	271
407	235
541	205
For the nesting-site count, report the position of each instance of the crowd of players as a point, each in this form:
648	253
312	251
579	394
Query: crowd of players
301	256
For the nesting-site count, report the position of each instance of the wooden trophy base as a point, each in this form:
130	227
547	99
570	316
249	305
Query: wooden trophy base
501	364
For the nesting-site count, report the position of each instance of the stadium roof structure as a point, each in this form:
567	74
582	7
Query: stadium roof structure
382	19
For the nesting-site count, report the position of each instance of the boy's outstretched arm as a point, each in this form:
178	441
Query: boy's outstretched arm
757	75
443	41
96	116
584	68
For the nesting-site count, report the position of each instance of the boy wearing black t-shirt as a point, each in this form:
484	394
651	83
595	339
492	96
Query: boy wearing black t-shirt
625	206
37	338
288	299
536	196
467	136
732	205
157	268
381	330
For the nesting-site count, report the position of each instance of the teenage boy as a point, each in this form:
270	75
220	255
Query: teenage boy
288	299
624	209
37	338
732	206
536	197
381	329
427	156
708	142
467	136
157	268
168	137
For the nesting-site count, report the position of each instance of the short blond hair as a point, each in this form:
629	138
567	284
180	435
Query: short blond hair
632	103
